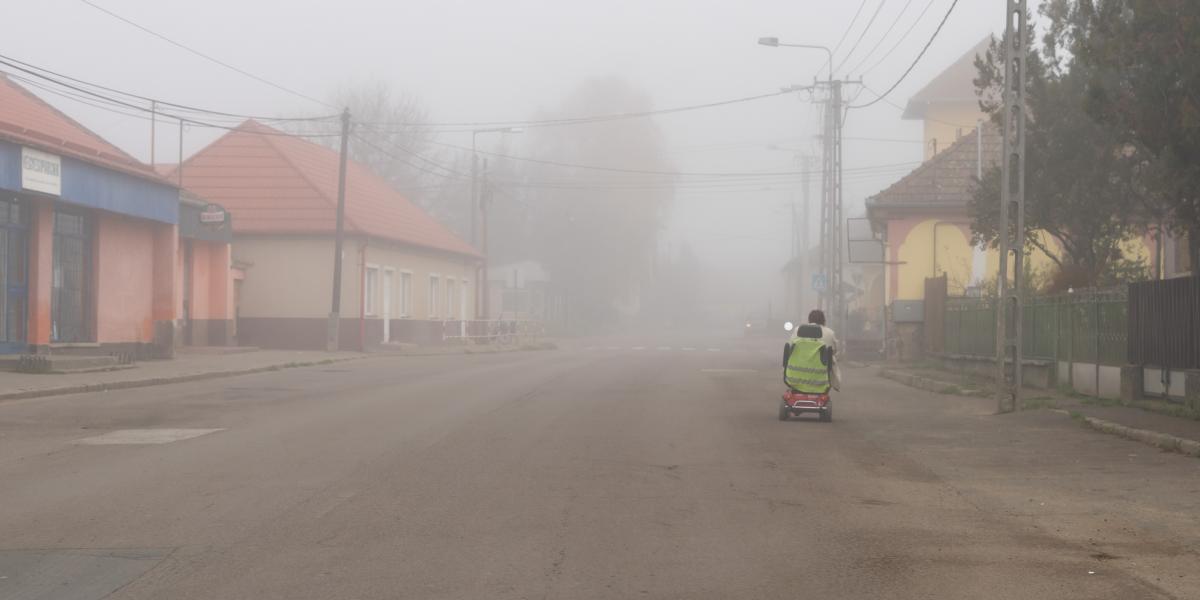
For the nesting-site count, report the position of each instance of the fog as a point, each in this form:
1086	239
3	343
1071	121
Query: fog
483	60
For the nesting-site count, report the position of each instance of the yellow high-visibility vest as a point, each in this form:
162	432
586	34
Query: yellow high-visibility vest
805	371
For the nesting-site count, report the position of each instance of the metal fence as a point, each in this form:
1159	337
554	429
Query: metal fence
1075	327
1165	323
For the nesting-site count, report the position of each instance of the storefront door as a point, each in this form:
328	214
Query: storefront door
70	297
14	263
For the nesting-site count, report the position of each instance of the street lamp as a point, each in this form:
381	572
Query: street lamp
477	204
775	43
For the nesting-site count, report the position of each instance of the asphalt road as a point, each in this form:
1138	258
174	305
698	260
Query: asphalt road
614	468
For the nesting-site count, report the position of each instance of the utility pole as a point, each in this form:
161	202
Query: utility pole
484	200
805	234
1009	313
331	339
833	301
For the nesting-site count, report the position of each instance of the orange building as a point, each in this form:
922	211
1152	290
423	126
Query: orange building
89	240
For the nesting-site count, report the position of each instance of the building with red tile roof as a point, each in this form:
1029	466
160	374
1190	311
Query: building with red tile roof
92	244
405	275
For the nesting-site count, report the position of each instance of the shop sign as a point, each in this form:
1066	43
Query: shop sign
213	214
41	171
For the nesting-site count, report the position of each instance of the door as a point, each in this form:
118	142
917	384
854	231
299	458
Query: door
389	277
13	275
70	291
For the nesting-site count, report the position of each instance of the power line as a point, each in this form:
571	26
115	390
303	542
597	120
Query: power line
846	33
556	163
203	55
903	37
103	102
578	120
862	35
452	173
13	62
883	37
927	118
915	61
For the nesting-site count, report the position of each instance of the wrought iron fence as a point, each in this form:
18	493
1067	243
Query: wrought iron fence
1074	327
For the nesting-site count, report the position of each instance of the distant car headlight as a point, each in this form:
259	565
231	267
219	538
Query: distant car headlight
748	325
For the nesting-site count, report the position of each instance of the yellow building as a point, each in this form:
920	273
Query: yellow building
948	105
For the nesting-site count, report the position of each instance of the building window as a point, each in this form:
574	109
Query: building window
14	225
406	294
71	278
465	292
434	283
371	291
451	298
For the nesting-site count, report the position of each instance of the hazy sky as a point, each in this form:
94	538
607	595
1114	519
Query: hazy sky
493	59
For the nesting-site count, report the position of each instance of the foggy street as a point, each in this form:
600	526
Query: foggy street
621	467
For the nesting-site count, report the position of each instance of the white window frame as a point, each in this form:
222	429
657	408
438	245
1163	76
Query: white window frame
371	290
406	293
435	282
462	290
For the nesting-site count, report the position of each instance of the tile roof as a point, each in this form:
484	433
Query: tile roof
955	84
277	183
28	120
948	177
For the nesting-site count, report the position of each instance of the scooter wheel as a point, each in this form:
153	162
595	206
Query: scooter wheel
827	414
784	412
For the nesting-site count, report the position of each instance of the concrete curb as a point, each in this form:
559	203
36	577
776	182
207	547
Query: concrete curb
928	384
153	381
1158	440
86	388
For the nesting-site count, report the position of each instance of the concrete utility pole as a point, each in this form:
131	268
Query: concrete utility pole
331	332
484	200
833	300
1009	312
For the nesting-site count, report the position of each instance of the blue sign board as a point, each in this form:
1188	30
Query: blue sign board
820	283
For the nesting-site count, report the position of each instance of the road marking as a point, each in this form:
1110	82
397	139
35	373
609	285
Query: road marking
688	349
663	348
639	347
145	436
726	370
714	349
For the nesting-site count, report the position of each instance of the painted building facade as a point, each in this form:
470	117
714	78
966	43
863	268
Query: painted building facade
89	239
405	277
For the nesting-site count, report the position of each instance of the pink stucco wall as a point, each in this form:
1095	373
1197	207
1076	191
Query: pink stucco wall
124	276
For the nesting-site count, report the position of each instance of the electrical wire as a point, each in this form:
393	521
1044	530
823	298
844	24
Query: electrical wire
927	118
108	103
577	120
450	173
891	52
13	62
914	63
846	33
556	163
203	55
861	36
883	37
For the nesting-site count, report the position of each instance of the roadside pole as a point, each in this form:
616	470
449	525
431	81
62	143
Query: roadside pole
331	331
1009	327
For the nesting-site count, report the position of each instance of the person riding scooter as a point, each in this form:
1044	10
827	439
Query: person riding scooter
819	351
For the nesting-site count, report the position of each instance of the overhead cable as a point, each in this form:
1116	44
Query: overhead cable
203	55
915	61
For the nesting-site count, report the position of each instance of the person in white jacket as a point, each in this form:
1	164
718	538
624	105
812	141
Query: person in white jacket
829	339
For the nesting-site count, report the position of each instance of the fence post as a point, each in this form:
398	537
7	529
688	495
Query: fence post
1071	342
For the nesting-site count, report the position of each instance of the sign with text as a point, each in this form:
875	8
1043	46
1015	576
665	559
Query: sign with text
41	171
213	214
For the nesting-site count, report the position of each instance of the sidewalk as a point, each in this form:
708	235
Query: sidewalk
186	367
1165	425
